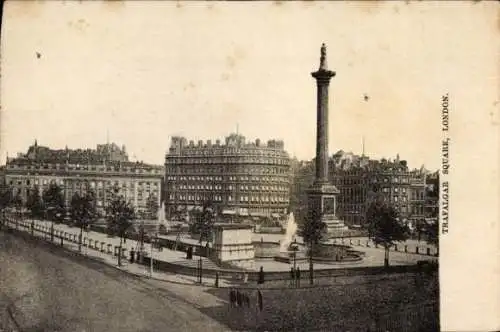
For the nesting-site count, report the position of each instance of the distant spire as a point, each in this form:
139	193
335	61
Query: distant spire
36	142
107	136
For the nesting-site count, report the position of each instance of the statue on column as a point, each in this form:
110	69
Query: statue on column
322	63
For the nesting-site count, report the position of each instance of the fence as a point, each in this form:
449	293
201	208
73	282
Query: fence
59	237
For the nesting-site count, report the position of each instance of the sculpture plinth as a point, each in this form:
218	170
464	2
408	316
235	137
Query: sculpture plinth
322	195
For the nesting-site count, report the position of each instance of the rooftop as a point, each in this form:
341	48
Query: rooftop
233	140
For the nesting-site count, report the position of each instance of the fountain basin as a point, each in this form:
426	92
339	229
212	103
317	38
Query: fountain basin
266	249
288	257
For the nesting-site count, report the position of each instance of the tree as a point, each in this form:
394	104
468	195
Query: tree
152	206
384	226
17	203
432	232
34	203
312	233
204	222
203	226
419	228
5	199
53	200
119	215
83	212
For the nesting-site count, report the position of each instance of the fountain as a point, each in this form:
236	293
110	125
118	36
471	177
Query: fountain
288	250
161	217
291	231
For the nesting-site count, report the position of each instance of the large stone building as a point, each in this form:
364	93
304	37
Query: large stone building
358	177
241	179
101	170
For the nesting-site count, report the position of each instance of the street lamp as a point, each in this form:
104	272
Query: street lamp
294	247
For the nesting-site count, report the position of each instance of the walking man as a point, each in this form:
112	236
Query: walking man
232	297
238	298
261	276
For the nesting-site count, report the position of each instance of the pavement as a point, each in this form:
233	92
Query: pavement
57	289
373	257
360	242
42	228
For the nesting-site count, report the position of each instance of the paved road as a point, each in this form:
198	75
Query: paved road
51	292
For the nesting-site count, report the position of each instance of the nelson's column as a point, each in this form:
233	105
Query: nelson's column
322	194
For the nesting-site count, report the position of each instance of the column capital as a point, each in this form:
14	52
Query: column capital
323	75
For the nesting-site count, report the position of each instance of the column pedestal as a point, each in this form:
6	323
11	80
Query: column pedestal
322	197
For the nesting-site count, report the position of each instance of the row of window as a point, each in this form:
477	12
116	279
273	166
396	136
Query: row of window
241	199
127	195
87	168
228	178
229	187
403	180
360	191
214	170
403	209
231	152
93	184
228	160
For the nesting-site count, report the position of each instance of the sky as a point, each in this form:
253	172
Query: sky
140	72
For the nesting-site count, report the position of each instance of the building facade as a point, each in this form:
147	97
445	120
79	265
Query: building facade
301	179
358	178
239	178
432	197
102	170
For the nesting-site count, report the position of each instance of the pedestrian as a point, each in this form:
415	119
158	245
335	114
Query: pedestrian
247	300
238	298
292	276
232	297
217	279
260	301
261	276
243	299
297	274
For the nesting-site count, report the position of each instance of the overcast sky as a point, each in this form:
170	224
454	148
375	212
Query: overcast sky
146	71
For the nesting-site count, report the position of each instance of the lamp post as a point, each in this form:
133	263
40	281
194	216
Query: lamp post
311	268
153	241
294	246
52	227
